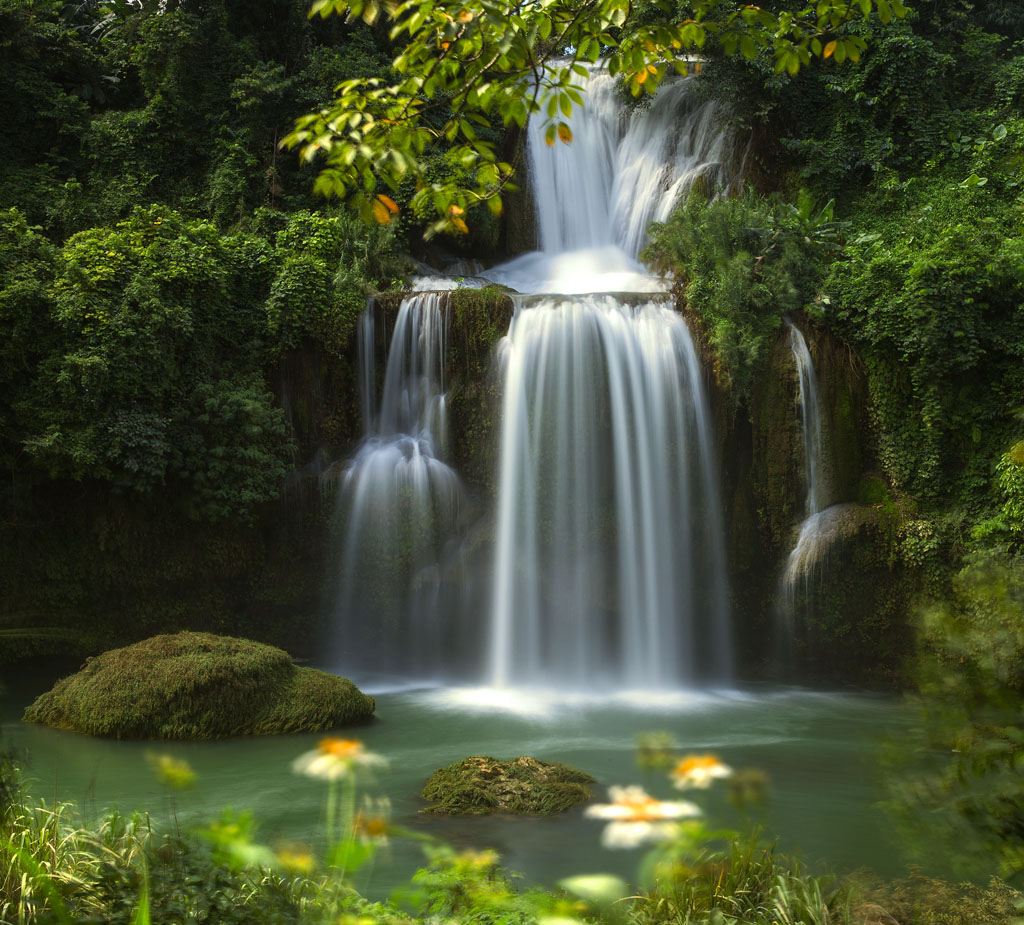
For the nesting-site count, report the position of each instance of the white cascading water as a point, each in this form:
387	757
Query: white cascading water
609	566
810	421
817	531
609	549
610	553
625	168
398	504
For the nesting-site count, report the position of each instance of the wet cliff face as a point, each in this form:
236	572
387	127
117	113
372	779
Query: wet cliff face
849	623
847	620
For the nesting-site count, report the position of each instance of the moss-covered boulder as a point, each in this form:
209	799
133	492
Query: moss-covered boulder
198	686
480	785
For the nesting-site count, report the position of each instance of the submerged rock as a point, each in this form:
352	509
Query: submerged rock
198	686
480	785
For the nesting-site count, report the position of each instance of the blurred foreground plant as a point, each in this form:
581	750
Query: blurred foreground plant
960	785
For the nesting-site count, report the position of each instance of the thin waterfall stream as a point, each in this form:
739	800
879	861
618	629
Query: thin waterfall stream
818	529
398	504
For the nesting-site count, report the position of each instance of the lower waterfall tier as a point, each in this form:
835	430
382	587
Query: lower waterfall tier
609	563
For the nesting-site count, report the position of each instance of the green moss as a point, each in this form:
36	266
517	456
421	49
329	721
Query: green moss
480	785
873	489
198	686
777	457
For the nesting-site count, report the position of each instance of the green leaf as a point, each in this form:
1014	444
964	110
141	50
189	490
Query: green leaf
599	889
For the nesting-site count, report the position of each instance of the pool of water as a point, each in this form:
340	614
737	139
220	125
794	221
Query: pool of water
819	751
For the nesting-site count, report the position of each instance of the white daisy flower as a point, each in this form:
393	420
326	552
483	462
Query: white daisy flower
635	817
698	771
334	759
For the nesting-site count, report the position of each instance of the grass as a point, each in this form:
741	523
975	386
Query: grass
198	686
480	785
54	869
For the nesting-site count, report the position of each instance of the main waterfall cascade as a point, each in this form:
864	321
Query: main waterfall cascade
609	551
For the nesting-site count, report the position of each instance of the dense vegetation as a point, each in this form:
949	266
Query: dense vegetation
172	294
888	215
167	282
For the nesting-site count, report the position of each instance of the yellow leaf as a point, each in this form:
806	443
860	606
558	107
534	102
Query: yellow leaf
829	48
460	225
389	203
564	133
455	210
641	77
465	16
380	212
652	69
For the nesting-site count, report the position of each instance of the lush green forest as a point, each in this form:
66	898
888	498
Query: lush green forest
179	304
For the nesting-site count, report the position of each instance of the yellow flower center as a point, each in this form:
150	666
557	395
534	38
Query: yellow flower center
341	748
642	808
696	763
371	826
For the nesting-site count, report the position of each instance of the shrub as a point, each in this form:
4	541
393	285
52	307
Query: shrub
198	686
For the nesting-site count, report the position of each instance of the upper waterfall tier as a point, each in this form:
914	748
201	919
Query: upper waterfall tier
625	167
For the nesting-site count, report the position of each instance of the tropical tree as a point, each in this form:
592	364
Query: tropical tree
462	68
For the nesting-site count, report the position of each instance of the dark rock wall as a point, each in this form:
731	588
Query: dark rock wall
109	569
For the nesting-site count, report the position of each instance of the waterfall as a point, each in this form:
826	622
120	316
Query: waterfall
625	167
398	504
609	556
609	552
609	562
810	420
818	529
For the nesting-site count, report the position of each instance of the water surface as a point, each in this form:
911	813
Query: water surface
818	750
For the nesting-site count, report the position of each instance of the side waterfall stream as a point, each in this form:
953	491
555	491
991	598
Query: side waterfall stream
822	520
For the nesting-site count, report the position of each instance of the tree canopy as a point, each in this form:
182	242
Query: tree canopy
467	66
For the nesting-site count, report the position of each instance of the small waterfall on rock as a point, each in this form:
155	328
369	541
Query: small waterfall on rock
398	504
610	549
810	421
818	528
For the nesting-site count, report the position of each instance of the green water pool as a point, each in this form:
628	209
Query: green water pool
819	751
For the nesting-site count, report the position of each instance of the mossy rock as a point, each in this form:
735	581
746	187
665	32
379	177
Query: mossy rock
198	686
480	785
